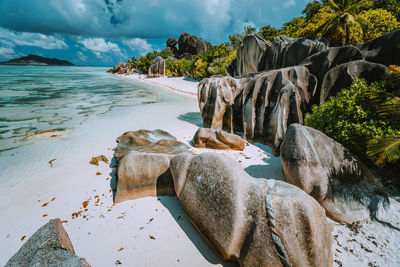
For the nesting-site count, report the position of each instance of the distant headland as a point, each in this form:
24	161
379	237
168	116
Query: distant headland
37	61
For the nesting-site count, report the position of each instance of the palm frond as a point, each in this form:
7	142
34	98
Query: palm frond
386	147
386	104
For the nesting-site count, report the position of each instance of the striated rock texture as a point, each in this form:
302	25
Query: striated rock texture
384	49
261	106
256	222
249	56
48	246
143	158
157	69
209	138
330	173
343	75
257	55
123	68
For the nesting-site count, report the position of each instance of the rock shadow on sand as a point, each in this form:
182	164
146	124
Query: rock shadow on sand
193	118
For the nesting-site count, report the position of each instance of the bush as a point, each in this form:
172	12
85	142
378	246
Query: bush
351	119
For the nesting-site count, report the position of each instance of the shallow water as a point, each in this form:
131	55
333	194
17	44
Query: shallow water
34	98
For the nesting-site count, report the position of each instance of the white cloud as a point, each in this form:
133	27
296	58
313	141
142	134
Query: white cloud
289	3
81	56
138	44
7	50
154	19
98	46
33	39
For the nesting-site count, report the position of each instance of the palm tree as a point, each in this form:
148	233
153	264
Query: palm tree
386	148
344	22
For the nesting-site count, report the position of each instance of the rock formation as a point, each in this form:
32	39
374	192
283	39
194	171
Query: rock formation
257	55
256	222
157	69
217	139
48	246
249	56
123	68
261	106
188	46
384	49
330	173
342	76
157	141
143	164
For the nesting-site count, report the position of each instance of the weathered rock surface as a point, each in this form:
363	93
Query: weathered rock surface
261	106
192	45
286	51
146	141
257	55
123	68
143	164
217	139
157	69
256	222
171	44
48	246
329	172
342	76
320	63
144	174
384	49
249	57
216	96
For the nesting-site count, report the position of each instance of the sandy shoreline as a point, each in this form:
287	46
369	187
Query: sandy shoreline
107	233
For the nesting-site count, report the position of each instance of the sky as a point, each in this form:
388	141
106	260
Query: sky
105	32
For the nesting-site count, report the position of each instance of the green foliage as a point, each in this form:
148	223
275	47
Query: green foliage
393	6
351	119
166	53
385	148
312	9
293	27
236	39
377	22
177	67
200	69
144	62
268	33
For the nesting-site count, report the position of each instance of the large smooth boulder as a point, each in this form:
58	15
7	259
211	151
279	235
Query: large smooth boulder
146	141
256	222
48	246
217	139
143	158
286	51
157	69
249	56
343	75
192	45
171	44
261	106
257	55
144	175
216	96
384	49
330	173
320	63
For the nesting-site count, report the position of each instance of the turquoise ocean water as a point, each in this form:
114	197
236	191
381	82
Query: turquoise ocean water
34	98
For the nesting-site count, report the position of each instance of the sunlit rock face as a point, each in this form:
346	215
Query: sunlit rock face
143	158
217	139
48	246
157	69
330	173
256	222
261	106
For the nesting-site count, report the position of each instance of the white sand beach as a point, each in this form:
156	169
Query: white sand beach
152	231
